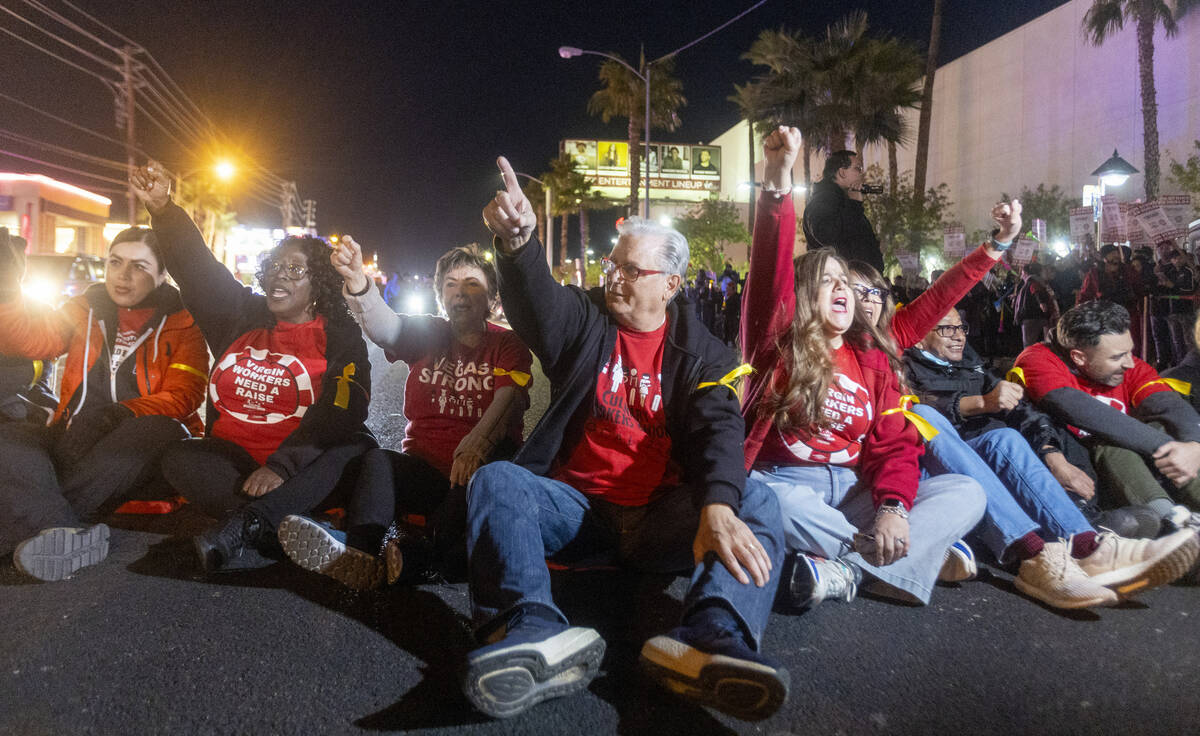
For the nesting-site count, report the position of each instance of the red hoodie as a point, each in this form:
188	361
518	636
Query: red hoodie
891	447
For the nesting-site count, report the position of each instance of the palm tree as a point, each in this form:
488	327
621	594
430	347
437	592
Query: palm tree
832	86
922	161
624	96
1108	16
569	191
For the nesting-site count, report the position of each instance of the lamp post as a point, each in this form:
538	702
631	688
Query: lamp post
569	52
1112	173
549	221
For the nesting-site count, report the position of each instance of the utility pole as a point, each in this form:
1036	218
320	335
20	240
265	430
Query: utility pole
130	109
287	208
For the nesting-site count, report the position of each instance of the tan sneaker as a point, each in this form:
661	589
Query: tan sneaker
1130	566
1055	578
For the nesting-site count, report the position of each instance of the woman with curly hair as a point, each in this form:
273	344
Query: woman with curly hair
825	425
288	393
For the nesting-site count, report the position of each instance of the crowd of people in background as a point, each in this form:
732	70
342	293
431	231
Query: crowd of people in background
798	434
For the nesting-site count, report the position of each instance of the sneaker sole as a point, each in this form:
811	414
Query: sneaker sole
1066	603
1167	568
958	567
310	546
746	690
508	681
57	554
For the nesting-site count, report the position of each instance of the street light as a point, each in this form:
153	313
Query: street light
569	52
549	221
1112	173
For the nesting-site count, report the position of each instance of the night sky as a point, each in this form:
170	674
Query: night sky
391	113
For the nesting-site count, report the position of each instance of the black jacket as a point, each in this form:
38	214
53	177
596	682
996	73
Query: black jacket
225	309
573	336
833	220
942	386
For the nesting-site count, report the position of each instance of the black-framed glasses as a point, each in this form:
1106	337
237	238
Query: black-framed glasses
948	331
294	271
629	272
871	293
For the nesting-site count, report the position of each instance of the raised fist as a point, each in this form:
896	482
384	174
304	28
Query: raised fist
151	185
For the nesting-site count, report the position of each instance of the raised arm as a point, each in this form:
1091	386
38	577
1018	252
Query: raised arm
211	293
545	315
769	298
913	321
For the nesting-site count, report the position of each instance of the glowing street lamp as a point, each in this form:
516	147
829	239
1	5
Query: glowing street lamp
225	170
1112	173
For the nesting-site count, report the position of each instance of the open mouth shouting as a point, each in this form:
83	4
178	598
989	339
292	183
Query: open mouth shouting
840	305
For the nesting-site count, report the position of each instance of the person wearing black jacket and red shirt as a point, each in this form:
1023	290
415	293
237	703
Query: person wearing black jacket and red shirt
289	389
637	456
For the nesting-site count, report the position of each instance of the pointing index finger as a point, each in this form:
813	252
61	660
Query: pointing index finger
510	178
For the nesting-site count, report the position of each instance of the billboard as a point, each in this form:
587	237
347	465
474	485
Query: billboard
675	170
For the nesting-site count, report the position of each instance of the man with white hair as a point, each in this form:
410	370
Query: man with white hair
655	481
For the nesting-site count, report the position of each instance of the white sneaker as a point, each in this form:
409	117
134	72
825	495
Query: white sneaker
1055	578
959	564
814	579
57	553
1130	566
1181	517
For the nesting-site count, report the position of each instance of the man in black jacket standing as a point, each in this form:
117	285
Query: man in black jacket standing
834	217
638	455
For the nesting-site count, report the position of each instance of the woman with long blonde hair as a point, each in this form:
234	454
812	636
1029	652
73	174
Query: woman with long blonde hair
826	428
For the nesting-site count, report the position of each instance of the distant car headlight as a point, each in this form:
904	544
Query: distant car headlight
415	304
40	290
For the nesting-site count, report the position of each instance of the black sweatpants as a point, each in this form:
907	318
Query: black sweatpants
37	493
392	484
209	472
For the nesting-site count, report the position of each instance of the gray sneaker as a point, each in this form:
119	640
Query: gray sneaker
58	553
814	579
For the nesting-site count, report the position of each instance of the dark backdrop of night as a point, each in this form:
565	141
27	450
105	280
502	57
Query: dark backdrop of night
391	114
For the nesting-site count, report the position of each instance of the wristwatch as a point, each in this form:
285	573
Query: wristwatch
892	506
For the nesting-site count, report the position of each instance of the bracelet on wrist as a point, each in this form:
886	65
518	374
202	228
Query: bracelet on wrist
364	290
778	193
892	506
997	245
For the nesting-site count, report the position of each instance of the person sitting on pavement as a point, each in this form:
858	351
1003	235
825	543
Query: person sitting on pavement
1133	423
989	431
467	389
638	456
825	428
288	394
132	383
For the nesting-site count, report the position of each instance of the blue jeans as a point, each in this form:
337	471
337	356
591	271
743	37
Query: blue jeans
1023	496
516	520
824	505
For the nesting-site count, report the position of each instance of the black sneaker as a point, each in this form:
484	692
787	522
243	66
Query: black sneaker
58	553
532	659
233	544
714	666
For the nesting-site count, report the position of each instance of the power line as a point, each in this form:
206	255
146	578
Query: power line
55	15
68	62
62	151
60	39
100	23
64	121
64	168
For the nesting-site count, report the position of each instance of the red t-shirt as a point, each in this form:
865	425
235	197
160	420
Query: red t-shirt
265	382
1043	371
848	406
129	327
448	390
625	452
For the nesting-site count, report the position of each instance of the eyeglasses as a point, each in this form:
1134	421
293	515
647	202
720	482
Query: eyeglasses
949	330
628	271
295	271
865	293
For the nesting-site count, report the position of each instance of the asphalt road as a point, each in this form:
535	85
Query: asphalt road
143	645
